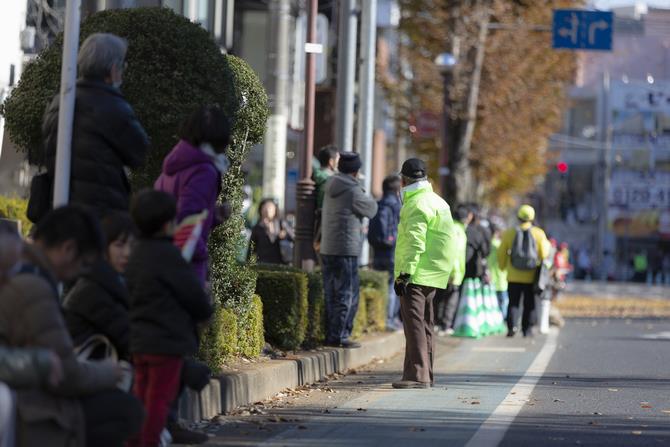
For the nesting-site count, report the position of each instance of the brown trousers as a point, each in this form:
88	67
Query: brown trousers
416	308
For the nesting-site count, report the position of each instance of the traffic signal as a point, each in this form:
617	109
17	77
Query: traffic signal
562	167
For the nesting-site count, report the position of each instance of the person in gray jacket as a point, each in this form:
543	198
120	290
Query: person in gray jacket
345	205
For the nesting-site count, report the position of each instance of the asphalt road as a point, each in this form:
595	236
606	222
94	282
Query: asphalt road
597	382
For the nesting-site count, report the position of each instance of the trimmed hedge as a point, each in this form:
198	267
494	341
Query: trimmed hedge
376	299
316	311
250	333
376	304
219	340
361	320
285	305
285	322
15	208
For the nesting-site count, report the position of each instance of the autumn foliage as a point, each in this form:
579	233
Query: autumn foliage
521	94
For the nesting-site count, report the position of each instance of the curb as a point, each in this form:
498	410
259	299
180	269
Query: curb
262	381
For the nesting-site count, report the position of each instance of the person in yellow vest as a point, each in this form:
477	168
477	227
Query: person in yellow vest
422	265
521	252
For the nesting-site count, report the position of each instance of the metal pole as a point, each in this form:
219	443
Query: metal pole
366	88
346	74
304	255
274	160
68	88
603	170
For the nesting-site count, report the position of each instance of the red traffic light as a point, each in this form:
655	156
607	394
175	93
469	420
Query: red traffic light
562	167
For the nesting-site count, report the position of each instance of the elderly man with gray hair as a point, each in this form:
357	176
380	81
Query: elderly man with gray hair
107	136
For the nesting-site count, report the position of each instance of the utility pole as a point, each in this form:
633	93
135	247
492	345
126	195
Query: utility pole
274	160
346	75
366	88
604	168
304	255
68	88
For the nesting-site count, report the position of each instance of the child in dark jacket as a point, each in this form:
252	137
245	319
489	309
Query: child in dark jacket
166	302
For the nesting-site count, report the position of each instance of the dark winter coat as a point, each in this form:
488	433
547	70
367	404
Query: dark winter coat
383	231
23	368
30	317
265	245
98	304
192	178
106	137
478	249
166	300
344	206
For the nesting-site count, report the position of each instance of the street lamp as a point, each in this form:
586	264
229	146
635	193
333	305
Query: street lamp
445	63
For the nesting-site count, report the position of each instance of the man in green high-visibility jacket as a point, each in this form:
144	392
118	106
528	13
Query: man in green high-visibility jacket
423	265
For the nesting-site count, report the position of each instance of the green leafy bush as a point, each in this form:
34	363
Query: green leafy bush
316	311
361	319
15	208
250	340
285	303
376	299
375	308
173	67
219	341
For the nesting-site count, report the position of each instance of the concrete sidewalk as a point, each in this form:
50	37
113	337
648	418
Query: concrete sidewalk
260	381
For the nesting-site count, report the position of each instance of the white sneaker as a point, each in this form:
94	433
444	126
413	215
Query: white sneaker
166	438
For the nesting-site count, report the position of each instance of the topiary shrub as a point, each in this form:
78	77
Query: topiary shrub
250	334
284	295
219	341
173	67
375	309
316	311
15	208
375	279
361	319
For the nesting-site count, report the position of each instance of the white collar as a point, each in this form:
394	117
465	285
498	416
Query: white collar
415	186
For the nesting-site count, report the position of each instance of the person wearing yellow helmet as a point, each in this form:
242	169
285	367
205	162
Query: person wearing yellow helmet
522	250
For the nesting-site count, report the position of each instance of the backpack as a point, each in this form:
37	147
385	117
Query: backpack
524	255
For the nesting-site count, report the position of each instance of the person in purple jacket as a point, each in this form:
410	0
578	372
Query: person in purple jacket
192	173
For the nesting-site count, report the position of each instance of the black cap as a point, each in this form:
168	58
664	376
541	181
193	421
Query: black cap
414	168
349	163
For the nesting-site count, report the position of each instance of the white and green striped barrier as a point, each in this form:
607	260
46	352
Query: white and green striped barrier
478	312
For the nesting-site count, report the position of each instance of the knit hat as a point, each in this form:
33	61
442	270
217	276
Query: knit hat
349	163
526	213
414	168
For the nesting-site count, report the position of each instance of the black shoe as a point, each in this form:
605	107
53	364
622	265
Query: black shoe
528	333
182	435
347	344
512	332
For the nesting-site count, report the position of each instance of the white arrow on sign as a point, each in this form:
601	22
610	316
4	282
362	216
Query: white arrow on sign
594	27
573	31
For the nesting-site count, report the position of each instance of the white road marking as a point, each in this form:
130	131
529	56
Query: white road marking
492	431
659	336
497	349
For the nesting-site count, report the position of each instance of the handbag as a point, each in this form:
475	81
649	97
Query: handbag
39	203
97	347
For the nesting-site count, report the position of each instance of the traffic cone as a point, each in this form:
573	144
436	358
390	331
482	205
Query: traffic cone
467	322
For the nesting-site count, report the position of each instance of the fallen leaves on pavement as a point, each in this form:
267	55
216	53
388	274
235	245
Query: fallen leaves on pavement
593	307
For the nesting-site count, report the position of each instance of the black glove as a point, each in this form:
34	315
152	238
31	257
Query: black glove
400	284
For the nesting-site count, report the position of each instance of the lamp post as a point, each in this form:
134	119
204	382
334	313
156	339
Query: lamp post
304	255
446	62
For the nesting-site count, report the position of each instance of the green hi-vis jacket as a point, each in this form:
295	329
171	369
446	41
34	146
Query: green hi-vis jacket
425	237
458	254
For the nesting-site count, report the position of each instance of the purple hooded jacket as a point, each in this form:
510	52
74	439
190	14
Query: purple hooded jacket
191	177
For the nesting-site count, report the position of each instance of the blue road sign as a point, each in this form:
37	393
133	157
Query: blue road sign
578	29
